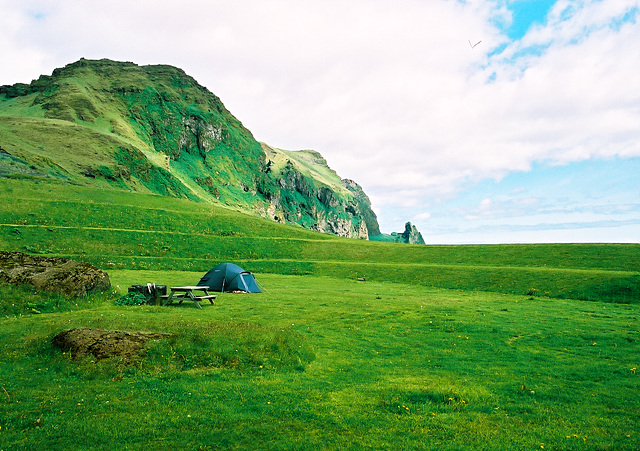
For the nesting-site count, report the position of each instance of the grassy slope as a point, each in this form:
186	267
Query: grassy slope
117	230
94	109
309	163
60	149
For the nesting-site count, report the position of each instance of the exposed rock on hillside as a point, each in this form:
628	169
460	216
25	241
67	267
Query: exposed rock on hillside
58	275
363	204
310	193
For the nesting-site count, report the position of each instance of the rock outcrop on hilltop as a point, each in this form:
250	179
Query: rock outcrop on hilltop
363	204
311	194
411	234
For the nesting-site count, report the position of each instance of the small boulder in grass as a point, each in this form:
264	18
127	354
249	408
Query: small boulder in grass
102	343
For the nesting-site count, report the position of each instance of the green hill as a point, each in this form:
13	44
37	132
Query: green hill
154	129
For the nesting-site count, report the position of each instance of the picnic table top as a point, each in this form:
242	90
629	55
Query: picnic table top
189	288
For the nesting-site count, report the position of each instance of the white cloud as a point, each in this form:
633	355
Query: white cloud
20	62
422	216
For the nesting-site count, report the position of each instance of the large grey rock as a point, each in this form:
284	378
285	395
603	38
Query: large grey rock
55	274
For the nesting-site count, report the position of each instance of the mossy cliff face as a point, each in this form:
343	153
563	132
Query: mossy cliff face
155	129
309	193
363	206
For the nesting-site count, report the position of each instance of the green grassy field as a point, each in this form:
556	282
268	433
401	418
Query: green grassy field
442	347
119	230
323	363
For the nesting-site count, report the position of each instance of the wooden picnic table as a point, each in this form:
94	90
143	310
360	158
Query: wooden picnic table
187	292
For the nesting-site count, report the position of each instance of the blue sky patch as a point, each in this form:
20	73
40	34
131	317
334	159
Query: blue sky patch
594	194
631	16
525	13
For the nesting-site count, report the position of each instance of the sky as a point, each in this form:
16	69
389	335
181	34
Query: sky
497	121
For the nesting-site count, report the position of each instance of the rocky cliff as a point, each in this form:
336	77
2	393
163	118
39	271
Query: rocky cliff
316	196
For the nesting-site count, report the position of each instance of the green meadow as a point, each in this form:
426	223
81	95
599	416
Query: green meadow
505	347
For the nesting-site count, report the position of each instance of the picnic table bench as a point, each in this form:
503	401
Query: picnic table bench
187	292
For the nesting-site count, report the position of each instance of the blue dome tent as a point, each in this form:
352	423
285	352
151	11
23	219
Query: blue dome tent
229	277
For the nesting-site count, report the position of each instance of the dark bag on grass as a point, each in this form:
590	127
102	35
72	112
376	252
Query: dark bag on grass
151	291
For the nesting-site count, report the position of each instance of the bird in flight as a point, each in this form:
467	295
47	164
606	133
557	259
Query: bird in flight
473	45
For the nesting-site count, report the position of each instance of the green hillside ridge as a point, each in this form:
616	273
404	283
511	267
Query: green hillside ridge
308	162
154	129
